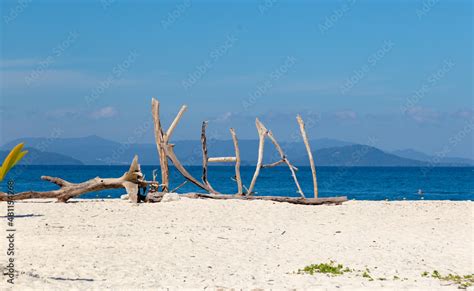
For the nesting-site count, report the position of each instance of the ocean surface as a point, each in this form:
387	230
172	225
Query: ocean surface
364	183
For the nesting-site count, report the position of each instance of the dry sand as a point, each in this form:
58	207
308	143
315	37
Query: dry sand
237	244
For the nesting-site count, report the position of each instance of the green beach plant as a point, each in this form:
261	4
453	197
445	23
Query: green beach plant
366	275
15	155
463	282
324	268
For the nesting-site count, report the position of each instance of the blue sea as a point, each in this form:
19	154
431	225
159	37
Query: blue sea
364	183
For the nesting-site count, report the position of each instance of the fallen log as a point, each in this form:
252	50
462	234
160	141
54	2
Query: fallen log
293	200
157	197
132	181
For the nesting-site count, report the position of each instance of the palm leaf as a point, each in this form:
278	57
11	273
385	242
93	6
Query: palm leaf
10	160
19	157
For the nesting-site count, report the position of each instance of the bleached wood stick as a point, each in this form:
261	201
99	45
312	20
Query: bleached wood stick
310	154
222	160
293	200
277	164
58	181
237	162
160	144
172	156
179	186
173	125
273	164
285	159
262	132
205	157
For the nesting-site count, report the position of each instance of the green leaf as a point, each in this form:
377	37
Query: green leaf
19	157
11	160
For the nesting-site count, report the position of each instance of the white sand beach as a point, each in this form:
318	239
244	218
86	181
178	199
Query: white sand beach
192	243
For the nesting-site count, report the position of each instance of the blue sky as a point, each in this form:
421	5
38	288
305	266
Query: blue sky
397	71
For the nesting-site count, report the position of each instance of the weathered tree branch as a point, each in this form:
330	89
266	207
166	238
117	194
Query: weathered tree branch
131	181
238	178
165	149
310	154
222	160
179	186
273	164
174	159
160	144
205	157
285	159
58	181
293	200
173	125
262	132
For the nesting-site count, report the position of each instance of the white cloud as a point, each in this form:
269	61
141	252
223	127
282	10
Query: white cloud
18	63
227	116
23	79
345	115
423	115
464	114
61	113
105	112
33	79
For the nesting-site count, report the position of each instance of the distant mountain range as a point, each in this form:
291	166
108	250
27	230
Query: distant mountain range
416	155
37	157
94	150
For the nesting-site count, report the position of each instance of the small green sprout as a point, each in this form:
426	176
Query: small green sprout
325	268
366	275
463	282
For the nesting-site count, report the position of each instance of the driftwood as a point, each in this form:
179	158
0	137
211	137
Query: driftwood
285	160
156	197
293	200
238	178
222	160
206	159
163	145
174	159
160	142
132	181
165	149
179	186
262	133
162	139
310	154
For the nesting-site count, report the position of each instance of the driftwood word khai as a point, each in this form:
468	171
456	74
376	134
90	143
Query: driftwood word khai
138	189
